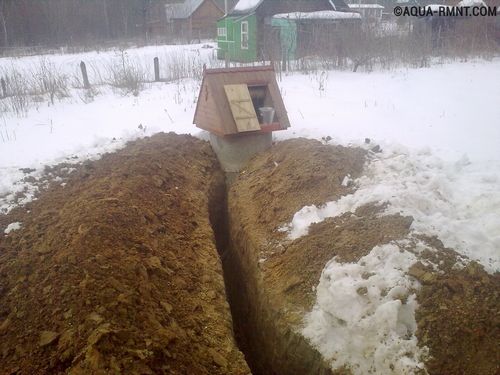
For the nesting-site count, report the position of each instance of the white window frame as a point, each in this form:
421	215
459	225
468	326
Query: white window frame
244	46
168	13
222	32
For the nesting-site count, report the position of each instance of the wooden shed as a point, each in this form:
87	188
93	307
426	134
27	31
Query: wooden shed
231	100
321	33
193	18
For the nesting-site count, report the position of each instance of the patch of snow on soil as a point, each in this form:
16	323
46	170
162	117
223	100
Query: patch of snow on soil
364	316
12	227
457	202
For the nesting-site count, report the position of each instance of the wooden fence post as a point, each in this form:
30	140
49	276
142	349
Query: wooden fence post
156	62
284	59
86	82
4	88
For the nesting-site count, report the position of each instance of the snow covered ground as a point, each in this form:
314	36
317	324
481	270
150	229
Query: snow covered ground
99	63
453	109
439	130
458	202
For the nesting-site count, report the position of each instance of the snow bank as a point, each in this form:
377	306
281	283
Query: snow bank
458	202
364	316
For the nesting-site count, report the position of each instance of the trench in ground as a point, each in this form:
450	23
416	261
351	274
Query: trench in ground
268	350
219	220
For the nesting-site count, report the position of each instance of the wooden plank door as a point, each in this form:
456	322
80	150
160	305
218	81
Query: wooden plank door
242	108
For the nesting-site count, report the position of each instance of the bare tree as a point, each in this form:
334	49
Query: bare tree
106	18
4	9
145	11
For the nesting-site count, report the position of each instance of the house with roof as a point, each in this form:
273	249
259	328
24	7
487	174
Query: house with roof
369	12
313	33
247	34
194	19
446	30
402	3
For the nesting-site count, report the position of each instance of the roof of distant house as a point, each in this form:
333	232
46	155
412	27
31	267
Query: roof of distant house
249	6
471	3
230	4
437	7
321	15
185	9
365	6
246	6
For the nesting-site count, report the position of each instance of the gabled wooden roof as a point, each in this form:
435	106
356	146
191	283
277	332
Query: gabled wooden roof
186	8
213	111
245	7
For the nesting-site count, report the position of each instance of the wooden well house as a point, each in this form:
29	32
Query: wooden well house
230	100
240	107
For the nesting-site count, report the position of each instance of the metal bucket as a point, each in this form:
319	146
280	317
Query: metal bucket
267	114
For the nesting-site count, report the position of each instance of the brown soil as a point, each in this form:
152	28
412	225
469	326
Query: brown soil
292	174
117	272
458	316
458	323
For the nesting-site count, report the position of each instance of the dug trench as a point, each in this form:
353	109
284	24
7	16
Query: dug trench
271	280
121	270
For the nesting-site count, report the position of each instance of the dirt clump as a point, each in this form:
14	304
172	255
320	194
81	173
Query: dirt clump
117	271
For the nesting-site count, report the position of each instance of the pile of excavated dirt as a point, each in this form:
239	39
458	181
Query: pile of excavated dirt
118	272
458	316
273	279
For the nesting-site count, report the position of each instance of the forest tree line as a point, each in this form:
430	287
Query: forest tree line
59	22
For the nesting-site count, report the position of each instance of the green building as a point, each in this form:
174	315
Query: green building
237	38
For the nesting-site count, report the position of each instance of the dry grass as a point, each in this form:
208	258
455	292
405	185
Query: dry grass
38	83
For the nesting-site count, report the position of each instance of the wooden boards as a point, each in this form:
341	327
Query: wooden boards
242	108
